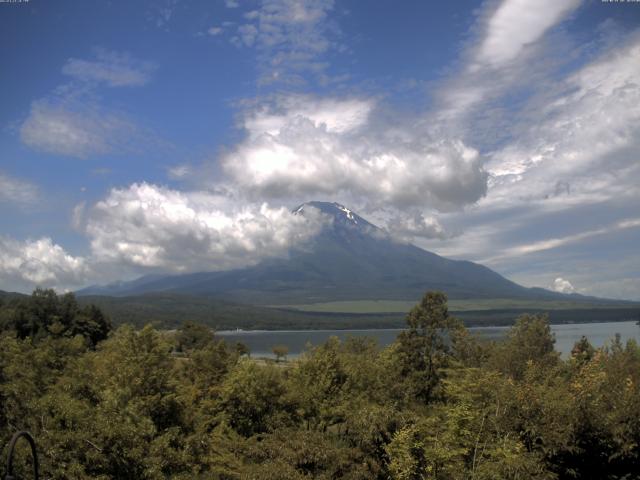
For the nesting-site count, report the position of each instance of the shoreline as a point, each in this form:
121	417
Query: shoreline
241	331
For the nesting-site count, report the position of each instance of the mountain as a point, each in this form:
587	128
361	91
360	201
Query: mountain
349	259
10	295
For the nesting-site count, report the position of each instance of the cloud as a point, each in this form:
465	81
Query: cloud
213	31
112	69
623	288
297	147
516	24
178	172
570	151
154	227
291	37
410	227
306	146
509	52
586	135
77	216
65	126
335	115
530	129
16	191
563	286
162	12
553	243
73	121
31	263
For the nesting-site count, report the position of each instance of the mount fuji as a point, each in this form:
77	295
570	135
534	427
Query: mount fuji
350	259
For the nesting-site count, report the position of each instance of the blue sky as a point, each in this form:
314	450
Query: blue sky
175	136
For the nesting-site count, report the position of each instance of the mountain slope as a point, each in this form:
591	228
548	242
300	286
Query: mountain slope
350	259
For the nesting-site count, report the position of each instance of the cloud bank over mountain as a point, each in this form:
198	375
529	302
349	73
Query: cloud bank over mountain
150	226
330	147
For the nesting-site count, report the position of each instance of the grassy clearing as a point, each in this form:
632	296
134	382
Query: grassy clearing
396	306
353	306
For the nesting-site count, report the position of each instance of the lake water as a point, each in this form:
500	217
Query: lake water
260	342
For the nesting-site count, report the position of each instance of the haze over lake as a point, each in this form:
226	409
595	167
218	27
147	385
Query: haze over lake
260	342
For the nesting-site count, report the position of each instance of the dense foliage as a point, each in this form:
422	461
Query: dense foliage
45	314
436	404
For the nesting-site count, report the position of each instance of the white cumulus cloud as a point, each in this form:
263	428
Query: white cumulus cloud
31	263
150	226
332	147
563	286
335	115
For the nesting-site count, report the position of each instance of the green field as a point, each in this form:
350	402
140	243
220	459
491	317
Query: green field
398	306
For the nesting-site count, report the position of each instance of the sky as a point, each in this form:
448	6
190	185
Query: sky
172	136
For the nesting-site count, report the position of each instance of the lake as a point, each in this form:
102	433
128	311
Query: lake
260	342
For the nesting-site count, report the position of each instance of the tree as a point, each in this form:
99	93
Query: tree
92	324
46	314
582	351
424	346
303	454
280	351
253	399
242	349
136	417
317	381
529	340
193	336
466	437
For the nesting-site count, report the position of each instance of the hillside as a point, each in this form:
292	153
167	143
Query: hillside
170	310
350	259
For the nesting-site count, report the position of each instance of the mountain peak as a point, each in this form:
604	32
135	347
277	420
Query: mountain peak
341	215
349	259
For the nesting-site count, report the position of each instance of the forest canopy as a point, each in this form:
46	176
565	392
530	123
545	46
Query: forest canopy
438	403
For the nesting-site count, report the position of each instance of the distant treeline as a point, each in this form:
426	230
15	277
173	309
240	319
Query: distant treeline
45	314
170	310
438	403
579	315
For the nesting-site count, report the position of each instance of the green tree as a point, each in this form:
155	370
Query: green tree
582	351
92	324
468	436
47	314
424	347
529	340
254	399
302	454
193	336
317	383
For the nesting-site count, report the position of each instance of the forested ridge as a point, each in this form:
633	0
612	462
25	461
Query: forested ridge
436	404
